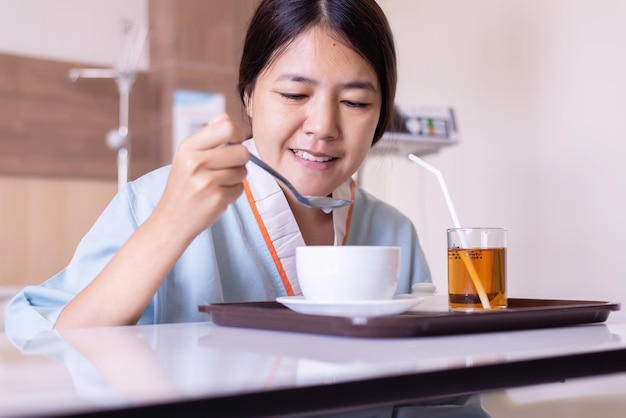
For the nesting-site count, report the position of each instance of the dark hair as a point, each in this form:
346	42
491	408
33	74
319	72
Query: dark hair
361	23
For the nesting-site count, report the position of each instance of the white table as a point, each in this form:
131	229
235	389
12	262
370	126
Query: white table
199	367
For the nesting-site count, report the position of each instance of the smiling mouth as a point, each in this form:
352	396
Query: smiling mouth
306	156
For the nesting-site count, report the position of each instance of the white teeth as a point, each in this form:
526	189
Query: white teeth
306	156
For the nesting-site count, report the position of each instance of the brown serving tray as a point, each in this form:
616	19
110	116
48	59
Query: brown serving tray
521	314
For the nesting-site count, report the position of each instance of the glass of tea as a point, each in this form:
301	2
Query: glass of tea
476	268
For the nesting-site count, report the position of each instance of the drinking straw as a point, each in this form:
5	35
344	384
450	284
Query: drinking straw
455	220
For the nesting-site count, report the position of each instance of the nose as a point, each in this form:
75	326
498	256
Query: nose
322	119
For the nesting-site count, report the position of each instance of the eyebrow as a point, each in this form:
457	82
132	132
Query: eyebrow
365	85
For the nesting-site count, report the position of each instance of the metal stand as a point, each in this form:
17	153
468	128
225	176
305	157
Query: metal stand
124	76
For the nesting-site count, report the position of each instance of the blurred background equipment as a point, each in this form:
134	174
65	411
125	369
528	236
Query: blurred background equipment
133	42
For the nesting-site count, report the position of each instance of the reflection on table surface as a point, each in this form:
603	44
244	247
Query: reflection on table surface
124	366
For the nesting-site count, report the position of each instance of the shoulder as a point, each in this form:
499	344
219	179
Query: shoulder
138	198
377	222
147	189
151	183
370	207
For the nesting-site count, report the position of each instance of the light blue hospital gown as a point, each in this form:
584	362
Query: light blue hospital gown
248	254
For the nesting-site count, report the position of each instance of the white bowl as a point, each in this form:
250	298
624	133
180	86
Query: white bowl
348	273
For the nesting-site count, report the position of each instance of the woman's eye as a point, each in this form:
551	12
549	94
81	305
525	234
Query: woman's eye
291	96
351	103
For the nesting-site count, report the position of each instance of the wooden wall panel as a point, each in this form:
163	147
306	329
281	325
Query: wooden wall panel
196	45
214	32
52	127
42	222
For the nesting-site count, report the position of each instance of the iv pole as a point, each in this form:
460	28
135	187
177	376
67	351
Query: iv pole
124	76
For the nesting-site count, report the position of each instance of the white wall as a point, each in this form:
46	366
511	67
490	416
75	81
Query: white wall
540	95
84	31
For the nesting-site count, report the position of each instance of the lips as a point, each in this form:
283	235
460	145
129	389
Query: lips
310	157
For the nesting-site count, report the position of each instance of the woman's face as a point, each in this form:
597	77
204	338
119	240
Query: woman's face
314	112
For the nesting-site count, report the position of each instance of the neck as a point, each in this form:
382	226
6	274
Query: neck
316	226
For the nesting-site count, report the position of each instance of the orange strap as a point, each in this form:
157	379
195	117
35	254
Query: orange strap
268	240
273	372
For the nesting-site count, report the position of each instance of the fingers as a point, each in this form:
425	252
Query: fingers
235	155
206	175
225	177
214	147
219	118
218	162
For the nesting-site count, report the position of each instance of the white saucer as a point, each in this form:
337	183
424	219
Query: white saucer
366	308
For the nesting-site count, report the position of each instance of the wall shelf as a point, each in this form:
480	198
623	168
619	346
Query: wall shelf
419	130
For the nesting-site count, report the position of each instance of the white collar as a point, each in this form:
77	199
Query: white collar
277	220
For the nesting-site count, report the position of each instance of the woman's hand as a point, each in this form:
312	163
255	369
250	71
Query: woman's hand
206	177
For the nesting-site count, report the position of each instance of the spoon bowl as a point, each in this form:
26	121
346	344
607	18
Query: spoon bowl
326	204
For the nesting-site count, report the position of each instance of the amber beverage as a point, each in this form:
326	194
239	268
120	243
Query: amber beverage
476	254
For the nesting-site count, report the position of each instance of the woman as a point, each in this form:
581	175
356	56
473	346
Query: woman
317	79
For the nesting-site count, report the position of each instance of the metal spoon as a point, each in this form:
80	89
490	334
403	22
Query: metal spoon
326	204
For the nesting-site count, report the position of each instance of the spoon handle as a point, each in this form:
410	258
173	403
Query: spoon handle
328	203
274	173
